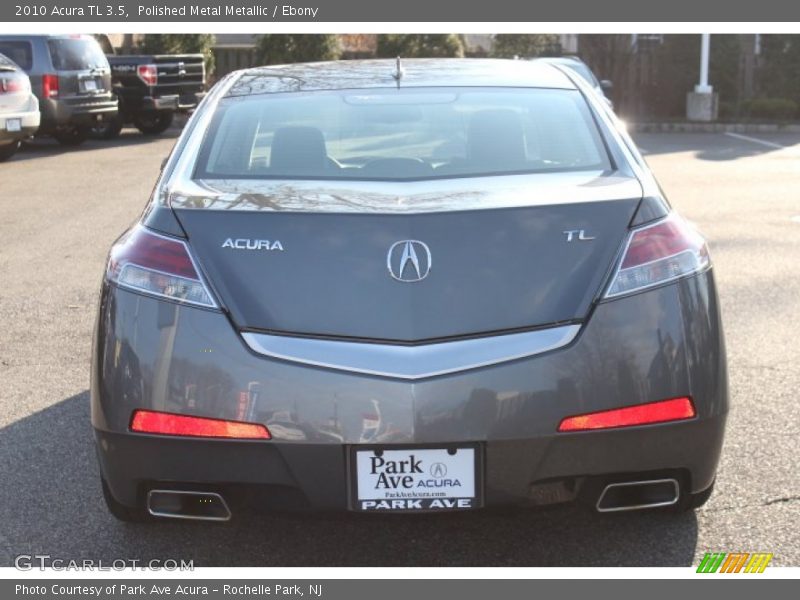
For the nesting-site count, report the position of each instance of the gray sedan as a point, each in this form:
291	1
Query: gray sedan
417	286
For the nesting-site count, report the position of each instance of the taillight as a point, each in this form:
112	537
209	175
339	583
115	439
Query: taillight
147	262
148	74
50	85
161	423
663	411
14	85
658	253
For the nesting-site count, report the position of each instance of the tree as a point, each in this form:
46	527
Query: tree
676	70
652	74
181	43
277	49
614	57
779	65
512	45
419	45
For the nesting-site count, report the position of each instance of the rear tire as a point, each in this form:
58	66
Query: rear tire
107	130
72	136
122	512
699	499
8	150
153	122
689	502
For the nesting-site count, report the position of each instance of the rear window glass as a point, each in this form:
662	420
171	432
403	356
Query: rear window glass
71	54
20	52
5	63
584	71
413	133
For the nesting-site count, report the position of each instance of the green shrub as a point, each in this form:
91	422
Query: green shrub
780	109
727	110
412	45
279	48
511	45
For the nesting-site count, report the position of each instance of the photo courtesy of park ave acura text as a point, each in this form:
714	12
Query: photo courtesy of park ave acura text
397	299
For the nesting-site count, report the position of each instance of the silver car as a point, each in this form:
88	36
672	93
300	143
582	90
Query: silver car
432	286
19	108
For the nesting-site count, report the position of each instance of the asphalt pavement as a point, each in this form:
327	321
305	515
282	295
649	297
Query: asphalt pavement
60	210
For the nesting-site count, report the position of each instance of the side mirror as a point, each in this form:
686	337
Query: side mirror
606	85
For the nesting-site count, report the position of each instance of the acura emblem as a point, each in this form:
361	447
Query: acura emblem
438	470
409	261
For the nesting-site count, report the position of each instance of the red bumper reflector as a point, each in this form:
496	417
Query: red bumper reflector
146	421
662	411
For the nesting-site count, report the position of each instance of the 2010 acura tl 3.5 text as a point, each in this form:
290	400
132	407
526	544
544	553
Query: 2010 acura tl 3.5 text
440	285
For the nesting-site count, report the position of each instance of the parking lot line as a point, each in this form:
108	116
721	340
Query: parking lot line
747	138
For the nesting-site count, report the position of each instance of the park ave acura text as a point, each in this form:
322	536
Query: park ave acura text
419	285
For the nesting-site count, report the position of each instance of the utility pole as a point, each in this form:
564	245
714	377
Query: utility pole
705	47
702	103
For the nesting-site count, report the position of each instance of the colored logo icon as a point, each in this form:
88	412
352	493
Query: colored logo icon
733	562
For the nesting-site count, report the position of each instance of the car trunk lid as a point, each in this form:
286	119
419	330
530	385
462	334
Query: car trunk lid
337	259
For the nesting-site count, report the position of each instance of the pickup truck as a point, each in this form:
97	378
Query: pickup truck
152	88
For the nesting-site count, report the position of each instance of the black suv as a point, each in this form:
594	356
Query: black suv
72	79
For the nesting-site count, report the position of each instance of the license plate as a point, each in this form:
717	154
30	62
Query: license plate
415	479
13	125
89	85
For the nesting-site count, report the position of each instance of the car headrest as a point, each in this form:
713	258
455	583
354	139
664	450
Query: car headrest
298	149
496	138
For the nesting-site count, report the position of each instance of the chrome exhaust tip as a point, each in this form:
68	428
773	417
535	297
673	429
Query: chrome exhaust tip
638	495
185	504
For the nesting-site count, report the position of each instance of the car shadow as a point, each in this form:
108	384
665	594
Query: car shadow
51	503
46	146
712	146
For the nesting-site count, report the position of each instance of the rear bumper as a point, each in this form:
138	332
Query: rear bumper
530	472
163	103
29	122
663	343
174	102
188	101
77	110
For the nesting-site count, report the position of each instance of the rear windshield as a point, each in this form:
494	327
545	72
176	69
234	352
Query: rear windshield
584	71
389	134
6	64
20	52
70	54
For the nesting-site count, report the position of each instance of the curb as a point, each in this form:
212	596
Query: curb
688	127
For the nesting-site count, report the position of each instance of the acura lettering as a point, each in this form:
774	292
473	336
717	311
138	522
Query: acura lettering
248	244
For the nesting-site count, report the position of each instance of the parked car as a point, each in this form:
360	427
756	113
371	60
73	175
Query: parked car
70	76
152	88
434	286
601	86
19	108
